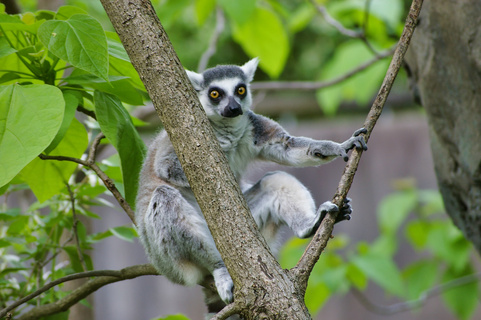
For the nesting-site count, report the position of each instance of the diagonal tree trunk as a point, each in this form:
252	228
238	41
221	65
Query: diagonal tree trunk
263	288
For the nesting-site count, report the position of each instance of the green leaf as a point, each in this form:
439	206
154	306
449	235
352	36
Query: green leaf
119	86
65	12
361	87
447	242
30	117
382	270
239	11
394	209
316	296
124	233
5	48
71	103
80	41
203	9
117	126
263	36
47	178
356	277
417	233
462	300
420	277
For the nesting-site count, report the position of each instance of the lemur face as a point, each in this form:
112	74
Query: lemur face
224	90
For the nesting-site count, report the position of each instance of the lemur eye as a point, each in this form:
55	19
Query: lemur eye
241	90
214	94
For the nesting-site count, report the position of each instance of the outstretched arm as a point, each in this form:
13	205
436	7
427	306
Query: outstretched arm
275	144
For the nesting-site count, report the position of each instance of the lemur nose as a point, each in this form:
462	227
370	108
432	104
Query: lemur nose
233	109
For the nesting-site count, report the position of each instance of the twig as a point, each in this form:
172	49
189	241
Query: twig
90	163
304	267
104	277
228	311
416	303
74	228
211	49
333	22
316	85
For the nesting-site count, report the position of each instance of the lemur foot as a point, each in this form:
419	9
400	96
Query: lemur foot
224	284
329	207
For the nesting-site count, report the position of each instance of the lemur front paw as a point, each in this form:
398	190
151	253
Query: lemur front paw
328	207
224	284
356	141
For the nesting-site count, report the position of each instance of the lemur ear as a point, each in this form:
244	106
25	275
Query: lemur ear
249	68
196	79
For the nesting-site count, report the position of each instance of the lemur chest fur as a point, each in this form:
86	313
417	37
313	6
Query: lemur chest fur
235	138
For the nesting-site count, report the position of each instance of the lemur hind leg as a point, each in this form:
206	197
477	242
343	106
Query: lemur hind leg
180	244
280	198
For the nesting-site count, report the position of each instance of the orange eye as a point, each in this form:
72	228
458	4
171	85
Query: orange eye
214	94
241	90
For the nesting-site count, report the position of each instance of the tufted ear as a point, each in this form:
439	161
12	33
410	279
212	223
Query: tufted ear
196	79
249	68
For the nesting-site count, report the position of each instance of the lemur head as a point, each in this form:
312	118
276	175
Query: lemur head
224	90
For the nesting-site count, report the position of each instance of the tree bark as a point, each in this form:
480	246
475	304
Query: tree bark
444	63
263	289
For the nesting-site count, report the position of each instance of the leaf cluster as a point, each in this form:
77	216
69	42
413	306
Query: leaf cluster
53	65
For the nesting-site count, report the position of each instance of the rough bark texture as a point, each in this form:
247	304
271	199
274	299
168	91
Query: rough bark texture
445	65
263	289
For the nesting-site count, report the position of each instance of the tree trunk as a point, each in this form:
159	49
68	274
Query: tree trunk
444	62
263	289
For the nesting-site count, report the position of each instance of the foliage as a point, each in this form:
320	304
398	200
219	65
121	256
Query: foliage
52	64
418	217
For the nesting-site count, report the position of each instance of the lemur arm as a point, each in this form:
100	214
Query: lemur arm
275	144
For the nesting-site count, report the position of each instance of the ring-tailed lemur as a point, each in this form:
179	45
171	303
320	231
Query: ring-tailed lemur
170	224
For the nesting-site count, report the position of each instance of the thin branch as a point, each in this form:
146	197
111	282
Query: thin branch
316	85
94	147
74	228
320	239
104	177
219	27
416	303
333	22
228	311
104	277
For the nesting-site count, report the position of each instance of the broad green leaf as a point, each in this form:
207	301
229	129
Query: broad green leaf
65	12
30	117
356	277
239	11
301	17
117	126
359	88
5	48
263	36
47	178
119	86
394	209
316	296
417	233
420	277
462	300
124	233
382	270
203	9
447	242
291	252
80	41
71	103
